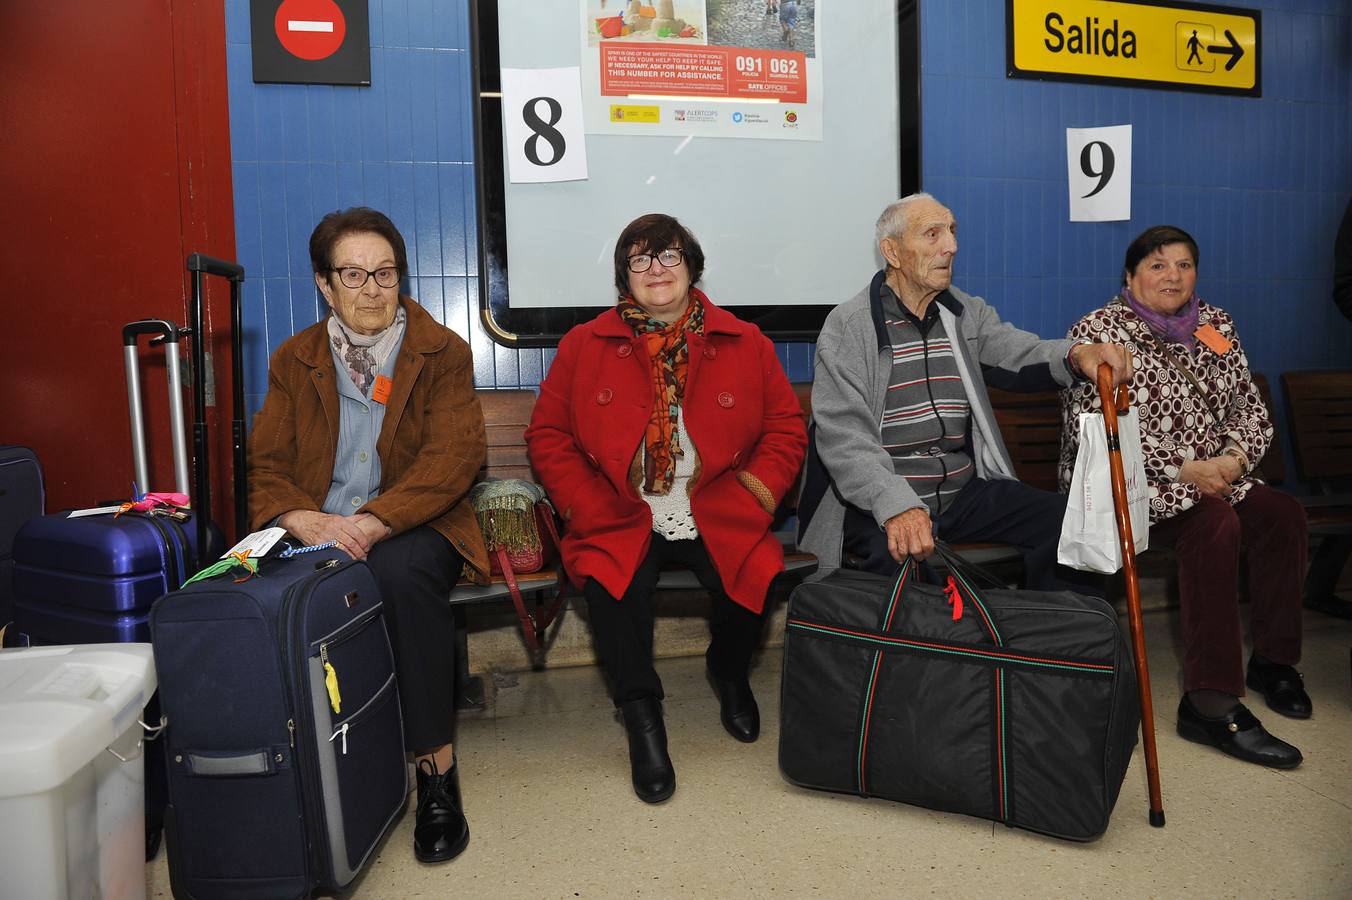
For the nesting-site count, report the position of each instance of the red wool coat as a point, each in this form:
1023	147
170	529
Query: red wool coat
741	415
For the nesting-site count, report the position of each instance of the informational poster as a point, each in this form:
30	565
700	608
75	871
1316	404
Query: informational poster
786	225
706	68
542	115
1098	166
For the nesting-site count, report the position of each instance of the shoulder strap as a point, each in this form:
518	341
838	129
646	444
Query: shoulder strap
1192	379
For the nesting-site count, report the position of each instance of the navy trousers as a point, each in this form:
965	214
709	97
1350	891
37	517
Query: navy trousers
998	509
416	571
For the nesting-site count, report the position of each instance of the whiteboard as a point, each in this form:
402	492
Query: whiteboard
787	226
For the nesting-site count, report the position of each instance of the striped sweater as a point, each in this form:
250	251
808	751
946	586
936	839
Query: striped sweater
925	416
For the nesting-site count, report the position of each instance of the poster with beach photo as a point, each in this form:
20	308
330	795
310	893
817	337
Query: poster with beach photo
706	68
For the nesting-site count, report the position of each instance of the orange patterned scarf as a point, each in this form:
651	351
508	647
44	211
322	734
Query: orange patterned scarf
668	359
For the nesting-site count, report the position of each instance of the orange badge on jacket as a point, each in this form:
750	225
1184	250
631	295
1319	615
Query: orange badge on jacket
380	391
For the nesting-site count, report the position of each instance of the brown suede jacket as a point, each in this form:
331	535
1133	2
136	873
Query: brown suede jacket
431	446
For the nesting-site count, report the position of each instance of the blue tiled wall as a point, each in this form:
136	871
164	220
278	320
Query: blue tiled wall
1260	182
405	146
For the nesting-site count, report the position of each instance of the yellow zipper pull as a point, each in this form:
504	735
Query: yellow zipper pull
330	679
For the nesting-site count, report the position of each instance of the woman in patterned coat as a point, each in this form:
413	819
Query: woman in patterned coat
1204	429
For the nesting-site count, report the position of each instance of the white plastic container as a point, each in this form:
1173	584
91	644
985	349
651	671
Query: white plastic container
72	813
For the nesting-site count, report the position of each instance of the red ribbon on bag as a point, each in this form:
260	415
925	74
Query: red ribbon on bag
954	598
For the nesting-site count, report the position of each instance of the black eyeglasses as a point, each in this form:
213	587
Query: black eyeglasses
642	262
355	276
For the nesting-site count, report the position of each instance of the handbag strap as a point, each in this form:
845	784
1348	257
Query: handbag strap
1192	379
533	625
552	528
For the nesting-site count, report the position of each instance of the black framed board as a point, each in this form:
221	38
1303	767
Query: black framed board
779	162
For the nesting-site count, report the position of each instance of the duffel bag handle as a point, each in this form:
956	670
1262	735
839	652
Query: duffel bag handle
965	572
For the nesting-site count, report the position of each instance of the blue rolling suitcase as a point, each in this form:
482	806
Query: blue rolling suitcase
284	736
21	498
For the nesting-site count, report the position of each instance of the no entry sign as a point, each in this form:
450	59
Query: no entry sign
311	41
310	29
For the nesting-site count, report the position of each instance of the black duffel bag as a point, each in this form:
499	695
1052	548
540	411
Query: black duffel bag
1017	706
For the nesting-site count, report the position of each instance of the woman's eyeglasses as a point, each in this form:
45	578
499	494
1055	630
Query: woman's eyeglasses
355	277
642	262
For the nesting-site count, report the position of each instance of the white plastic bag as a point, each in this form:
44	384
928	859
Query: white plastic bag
1089	540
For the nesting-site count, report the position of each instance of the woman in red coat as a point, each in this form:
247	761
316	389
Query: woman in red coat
666	431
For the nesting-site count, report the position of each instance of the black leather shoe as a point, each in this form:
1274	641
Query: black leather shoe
440	831
1237	733
1281	686
653	775
737	708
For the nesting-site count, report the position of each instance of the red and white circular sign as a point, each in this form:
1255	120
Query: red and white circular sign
310	29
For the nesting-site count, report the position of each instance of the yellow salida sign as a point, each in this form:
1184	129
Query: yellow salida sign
1178	45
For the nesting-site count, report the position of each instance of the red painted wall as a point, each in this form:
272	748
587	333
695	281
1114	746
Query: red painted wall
115	156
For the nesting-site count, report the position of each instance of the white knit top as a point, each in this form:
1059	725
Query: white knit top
671	511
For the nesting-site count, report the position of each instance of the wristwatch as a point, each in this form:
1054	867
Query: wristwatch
1238	454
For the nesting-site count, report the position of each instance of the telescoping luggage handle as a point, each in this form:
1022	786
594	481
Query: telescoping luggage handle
199	265
169	333
1115	405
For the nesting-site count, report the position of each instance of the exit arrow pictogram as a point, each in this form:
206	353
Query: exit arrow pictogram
1234	51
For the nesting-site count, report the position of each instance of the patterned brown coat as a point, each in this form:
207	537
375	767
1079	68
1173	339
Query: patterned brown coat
1175	425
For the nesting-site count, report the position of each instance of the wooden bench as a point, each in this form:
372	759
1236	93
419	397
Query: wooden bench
507	413
1319	409
1030	424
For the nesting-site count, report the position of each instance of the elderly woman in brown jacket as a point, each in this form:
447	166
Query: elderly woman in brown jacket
370	436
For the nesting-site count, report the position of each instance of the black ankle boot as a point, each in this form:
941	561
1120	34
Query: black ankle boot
653	775
440	831
737	707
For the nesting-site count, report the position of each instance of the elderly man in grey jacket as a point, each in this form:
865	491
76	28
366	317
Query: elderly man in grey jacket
905	443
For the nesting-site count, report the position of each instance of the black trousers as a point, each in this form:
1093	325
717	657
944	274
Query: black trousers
998	509
416	571
622	628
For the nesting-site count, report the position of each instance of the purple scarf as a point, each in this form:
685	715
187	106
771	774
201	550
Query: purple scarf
1176	329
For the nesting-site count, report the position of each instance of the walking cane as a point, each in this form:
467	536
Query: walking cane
1112	408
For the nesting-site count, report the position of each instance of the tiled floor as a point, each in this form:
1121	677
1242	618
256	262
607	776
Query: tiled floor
546	785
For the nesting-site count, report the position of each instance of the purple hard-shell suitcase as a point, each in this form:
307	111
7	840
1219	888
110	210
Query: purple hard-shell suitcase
92	579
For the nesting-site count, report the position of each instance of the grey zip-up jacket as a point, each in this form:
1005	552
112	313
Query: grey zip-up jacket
846	461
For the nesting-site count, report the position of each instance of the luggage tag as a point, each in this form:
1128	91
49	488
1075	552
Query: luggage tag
331	684
93	511
1214	340
380	391
256	544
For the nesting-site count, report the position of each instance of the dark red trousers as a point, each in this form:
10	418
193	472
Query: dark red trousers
1269	526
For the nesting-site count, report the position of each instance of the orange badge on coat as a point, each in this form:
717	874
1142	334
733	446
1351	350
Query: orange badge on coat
1213	339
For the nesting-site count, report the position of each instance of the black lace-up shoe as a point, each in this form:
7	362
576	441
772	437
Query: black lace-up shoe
440	831
1281	686
1237	733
